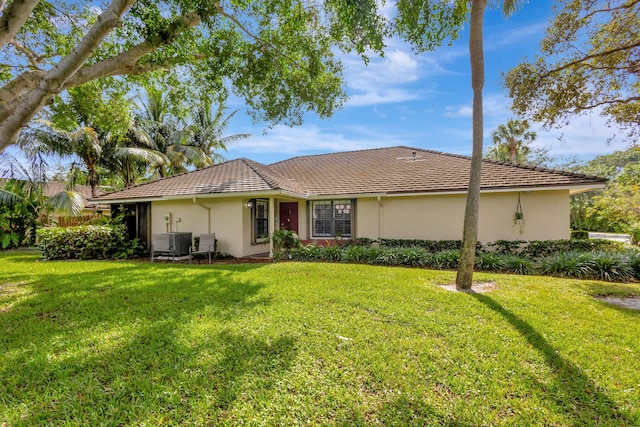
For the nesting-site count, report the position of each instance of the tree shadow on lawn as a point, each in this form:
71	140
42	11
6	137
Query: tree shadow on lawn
123	343
575	393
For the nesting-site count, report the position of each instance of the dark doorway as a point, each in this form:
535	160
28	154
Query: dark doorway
289	216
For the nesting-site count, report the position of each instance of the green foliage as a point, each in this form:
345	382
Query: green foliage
568	264
633	259
512	144
610	267
586	63
517	265
428	245
283	242
489	262
579	234
87	242
508	247
447	259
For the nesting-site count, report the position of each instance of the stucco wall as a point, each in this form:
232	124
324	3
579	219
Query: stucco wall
226	220
546	216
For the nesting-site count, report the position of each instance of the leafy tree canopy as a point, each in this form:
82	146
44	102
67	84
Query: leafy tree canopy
276	54
589	62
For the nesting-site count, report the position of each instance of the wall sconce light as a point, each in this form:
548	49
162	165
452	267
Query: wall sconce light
249	204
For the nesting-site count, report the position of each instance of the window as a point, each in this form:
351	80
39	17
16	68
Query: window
332	218
260	220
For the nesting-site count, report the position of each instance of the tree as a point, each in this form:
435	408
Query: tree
617	207
276	54
23	205
511	142
588	63
207	128
464	277
166	135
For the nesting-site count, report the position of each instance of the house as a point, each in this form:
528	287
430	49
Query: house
397	192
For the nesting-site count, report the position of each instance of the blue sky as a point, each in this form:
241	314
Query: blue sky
425	101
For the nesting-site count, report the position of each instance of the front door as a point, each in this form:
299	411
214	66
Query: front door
289	216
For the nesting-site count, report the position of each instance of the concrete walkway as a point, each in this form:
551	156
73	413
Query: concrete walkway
610	236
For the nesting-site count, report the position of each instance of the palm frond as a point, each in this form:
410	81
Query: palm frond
66	203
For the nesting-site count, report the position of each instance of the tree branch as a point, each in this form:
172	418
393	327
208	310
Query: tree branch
586	58
23	108
14	18
609	9
31	56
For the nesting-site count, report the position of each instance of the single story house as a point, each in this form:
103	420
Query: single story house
397	192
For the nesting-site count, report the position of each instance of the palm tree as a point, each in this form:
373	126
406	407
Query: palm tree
464	277
511	142
23	203
168	138
207	128
82	143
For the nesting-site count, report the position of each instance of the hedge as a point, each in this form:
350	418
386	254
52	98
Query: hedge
87	242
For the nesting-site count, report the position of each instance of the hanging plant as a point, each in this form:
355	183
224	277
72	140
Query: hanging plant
518	216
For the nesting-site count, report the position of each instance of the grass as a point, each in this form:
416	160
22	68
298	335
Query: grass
117	343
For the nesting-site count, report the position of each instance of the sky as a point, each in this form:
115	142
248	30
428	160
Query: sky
424	101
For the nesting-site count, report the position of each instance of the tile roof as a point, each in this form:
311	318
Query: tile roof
235	176
393	170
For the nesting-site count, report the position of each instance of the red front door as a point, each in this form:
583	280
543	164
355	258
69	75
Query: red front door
289	216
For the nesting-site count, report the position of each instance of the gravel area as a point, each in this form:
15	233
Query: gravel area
626	302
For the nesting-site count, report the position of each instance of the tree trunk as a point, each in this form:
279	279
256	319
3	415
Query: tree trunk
513	155
464	278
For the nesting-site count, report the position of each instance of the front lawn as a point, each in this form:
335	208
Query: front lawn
117	343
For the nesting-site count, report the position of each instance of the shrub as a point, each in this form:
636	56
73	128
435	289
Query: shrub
310	252
444	259
330	253
508	247
87	242
569	264
428	245
579	234
413	257
517	265
610	267
633	261
489	262
283	242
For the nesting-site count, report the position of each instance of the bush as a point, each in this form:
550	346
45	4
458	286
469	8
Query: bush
330	253
610	267
570	264
87	242
517	265
579	234
489	262
360	254
508	247
310	252
444	259
633	261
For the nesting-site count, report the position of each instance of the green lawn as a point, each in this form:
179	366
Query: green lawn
116	343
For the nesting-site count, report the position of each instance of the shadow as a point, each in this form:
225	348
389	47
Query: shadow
127	342
572	391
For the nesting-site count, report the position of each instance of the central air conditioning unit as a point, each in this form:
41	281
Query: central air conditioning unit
180	242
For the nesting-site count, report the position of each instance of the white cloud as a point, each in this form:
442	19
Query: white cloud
586	135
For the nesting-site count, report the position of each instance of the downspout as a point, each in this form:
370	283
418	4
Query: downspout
199	203
380	217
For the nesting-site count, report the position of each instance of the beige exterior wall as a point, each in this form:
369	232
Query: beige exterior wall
230	220
546	216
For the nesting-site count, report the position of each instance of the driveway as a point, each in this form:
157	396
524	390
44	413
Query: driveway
611	236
